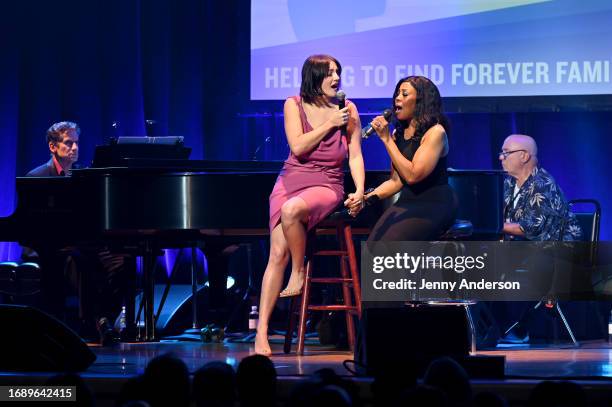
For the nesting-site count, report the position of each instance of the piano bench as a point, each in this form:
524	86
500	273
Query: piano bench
340	224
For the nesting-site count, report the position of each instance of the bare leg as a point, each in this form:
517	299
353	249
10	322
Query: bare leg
294	215
270	287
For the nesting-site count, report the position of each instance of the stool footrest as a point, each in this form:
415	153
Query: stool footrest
331	280
332	308
331	253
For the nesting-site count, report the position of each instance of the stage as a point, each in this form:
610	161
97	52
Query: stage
590	365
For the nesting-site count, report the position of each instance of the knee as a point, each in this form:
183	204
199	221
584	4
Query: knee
293	210
278	255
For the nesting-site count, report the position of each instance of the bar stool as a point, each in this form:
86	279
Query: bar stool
338	223
460	229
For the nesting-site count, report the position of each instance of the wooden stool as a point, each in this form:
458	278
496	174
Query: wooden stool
338	223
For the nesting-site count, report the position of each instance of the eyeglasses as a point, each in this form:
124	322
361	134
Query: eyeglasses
505	154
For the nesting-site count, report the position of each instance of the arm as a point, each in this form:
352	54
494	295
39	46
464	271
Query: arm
432	147
425	158
541	219
391	186
301	143
513	229
355	200
388	188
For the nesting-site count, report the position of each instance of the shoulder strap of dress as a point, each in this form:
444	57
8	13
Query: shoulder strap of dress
298	101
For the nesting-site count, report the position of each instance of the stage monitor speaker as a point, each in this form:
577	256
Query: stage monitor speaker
411	337
32	340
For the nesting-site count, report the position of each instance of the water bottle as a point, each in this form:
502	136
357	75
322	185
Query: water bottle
253	319
610	328
120	321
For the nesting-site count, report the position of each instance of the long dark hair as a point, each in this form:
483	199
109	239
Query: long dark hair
314	70
428	107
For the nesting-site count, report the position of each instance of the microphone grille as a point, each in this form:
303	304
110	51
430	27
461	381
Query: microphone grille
341	95
387	113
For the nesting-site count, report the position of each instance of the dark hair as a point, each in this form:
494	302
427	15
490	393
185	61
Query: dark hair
428	107
56	131
314	70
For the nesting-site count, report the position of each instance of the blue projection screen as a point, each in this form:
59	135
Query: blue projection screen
468	48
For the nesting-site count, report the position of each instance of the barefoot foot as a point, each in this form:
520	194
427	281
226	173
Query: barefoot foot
294	286
262	347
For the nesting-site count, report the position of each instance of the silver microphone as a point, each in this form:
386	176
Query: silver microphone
368	130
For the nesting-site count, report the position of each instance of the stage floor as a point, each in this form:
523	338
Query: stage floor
590	364
590	360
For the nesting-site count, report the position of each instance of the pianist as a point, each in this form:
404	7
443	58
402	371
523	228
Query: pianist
535	209
96	274
63	141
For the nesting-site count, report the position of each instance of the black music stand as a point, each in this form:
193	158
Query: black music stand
123	149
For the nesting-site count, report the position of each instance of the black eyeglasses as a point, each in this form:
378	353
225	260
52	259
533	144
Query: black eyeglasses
505	154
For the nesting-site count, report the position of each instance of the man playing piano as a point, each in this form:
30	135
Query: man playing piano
535	208
96	274
63	141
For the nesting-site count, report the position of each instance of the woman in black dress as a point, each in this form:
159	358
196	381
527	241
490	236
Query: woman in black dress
418	149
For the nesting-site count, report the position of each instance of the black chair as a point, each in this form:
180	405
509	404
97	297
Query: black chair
590	224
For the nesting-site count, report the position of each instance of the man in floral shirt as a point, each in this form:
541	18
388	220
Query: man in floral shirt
535	207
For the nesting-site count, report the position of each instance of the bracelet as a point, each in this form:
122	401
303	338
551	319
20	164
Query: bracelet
371	199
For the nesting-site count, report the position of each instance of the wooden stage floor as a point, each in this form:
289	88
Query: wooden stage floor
590	364
590	360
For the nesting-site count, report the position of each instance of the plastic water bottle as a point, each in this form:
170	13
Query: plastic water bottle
253	319
120	323
610	328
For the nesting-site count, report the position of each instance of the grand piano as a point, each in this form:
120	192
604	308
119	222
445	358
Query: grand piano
172	203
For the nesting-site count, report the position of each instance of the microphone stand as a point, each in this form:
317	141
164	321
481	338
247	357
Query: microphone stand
266	140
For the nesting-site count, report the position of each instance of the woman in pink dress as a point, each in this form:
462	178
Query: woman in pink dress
310	185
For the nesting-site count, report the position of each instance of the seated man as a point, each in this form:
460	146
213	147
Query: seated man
100	288
535	207
63	141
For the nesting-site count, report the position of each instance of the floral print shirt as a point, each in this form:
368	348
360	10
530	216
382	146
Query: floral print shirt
541	209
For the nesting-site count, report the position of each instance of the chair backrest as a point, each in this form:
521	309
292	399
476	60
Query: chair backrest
589	221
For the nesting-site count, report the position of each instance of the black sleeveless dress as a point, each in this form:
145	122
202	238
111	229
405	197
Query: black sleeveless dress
424	210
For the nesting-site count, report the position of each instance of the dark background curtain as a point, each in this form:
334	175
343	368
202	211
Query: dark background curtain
185	64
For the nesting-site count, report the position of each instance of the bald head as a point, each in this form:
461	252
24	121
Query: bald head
522	142
519	156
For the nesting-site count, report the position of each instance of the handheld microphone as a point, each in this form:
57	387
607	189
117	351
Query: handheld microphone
368	130
341	96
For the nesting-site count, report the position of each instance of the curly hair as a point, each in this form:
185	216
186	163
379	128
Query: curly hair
56	131
428	107
314	70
